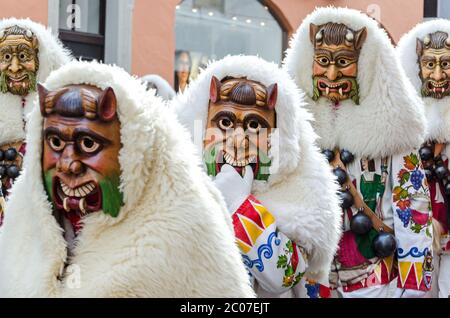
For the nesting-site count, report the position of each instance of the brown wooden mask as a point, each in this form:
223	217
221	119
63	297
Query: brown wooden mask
19	60
434	59
241	115
81	143
335	66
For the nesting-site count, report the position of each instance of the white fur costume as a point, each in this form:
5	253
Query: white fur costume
300	192
437	112
388	126
51	56
172	237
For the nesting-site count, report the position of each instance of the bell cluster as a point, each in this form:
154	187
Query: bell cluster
434	167
384	244
7	168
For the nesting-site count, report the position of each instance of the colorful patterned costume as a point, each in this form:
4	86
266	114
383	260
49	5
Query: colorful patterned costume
289	226
437	140
383	123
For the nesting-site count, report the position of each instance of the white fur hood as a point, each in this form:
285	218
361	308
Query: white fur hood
300	191
389	118
172	237
437	111
51	56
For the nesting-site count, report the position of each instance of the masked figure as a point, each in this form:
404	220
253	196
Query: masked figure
425	55
371	125
160	85
246	115
28	53
102	208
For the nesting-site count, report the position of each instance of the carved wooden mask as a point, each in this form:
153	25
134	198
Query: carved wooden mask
335	66
81	143
241	116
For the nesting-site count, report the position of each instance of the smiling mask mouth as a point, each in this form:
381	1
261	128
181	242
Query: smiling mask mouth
84	198
340	87
438	87
239	165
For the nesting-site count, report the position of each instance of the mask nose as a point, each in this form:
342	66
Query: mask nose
438	74
68	163
333	73
15	66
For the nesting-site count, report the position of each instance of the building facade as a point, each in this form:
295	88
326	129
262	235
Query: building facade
169	37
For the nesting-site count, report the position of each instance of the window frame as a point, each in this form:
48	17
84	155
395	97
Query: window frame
77	37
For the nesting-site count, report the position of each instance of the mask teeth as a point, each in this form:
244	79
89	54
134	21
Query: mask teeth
82	205
66	204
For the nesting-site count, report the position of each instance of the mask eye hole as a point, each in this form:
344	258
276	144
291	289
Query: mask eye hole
56	143
88	145
253	126
225	123
323	60
7	57
343	62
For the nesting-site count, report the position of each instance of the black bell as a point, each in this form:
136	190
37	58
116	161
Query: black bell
12	171
329	154
346	199
2	155
346	156
429	174
447	188
441	172
360	223
425	153
384	244
2	171
340	174
10	154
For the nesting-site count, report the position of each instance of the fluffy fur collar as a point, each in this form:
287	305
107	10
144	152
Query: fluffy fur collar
389	118
51	56
300	191
436	111
172	237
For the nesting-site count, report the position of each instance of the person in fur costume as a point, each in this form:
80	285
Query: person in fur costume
111	202
28	53
159	84
371	124
248	120
425	55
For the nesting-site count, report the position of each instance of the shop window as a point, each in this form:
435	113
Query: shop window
211	29
430	8
436	9
82	27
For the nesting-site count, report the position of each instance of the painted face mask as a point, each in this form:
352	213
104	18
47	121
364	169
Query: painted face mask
241	116
81	143
335	66
19	61
434	59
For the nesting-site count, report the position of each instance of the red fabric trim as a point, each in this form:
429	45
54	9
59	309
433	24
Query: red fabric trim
372	279
247	210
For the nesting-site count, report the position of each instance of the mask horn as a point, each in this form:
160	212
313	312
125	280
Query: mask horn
419	47
107	105
43	92
214	90
360	37
272	95
314	36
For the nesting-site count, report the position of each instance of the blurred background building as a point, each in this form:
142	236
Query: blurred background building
175	38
